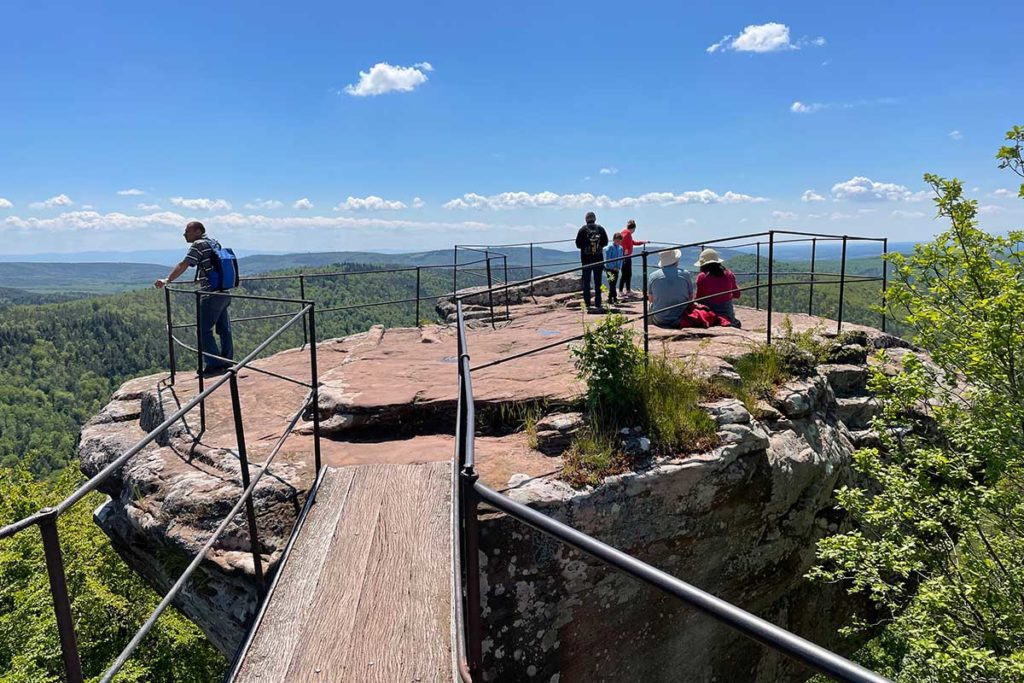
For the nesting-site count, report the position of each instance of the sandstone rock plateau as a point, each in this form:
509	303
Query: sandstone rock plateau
739	521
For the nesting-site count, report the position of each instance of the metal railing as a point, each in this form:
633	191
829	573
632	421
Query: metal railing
469	494
46	519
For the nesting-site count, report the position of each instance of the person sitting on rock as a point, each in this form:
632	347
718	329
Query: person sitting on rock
591	241
669	290
716	285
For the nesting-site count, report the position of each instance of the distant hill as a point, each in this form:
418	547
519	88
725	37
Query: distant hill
438	257
93	278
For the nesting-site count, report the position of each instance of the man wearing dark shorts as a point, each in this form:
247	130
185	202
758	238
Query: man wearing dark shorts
213	310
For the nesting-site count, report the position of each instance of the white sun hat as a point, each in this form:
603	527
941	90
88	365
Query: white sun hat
669	258
708	256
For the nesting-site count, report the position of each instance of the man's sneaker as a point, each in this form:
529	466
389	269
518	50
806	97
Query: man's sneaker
214	372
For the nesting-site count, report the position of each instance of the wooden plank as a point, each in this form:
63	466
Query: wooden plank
404	609
271	651
381	606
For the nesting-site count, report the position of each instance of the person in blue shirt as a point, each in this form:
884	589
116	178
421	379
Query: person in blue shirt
670	291
613	255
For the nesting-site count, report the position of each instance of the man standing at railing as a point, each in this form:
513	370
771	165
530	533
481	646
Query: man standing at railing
213	309
591	241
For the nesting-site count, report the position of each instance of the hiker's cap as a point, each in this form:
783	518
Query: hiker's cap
669	258
708	256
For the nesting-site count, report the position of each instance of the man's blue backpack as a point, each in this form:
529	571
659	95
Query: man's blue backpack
224	274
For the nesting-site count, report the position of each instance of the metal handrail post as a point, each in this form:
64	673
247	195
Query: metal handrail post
531	269
504	263
647	305
455	270
170	335
243	464
885	279
59	591
771	281
471	527
315	394
810	296
842	287
302	295
490	291
757	280
199	359
417	296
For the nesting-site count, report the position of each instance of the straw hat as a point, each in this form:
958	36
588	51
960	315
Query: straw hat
708	256
669	258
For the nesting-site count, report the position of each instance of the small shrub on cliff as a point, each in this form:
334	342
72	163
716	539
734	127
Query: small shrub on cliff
670	396
593	455
607	360
661	396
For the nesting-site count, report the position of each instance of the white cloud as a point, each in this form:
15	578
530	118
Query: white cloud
130	192
784	215
87	207
84	221
770	37
418	203
384	78
956	135
799	107
371	203
148	207
990	209
860	188
264	204
1003	192
59	200
832	216
201	204
5	203
899	213
610	170
303	204
93	220
525	200
811	196
690	221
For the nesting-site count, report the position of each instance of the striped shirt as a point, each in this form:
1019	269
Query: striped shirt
200	255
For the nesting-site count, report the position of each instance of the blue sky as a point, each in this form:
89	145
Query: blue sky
234	112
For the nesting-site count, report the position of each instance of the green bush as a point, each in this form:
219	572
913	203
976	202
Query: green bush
669	396
607	360
661	396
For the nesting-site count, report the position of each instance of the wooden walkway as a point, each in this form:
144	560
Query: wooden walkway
365	594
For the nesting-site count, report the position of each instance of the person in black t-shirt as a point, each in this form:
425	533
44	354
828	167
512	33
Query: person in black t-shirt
591	241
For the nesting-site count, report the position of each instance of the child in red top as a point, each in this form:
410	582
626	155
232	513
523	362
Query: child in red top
718	284
627	264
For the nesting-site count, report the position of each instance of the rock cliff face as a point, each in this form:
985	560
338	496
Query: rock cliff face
739	521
